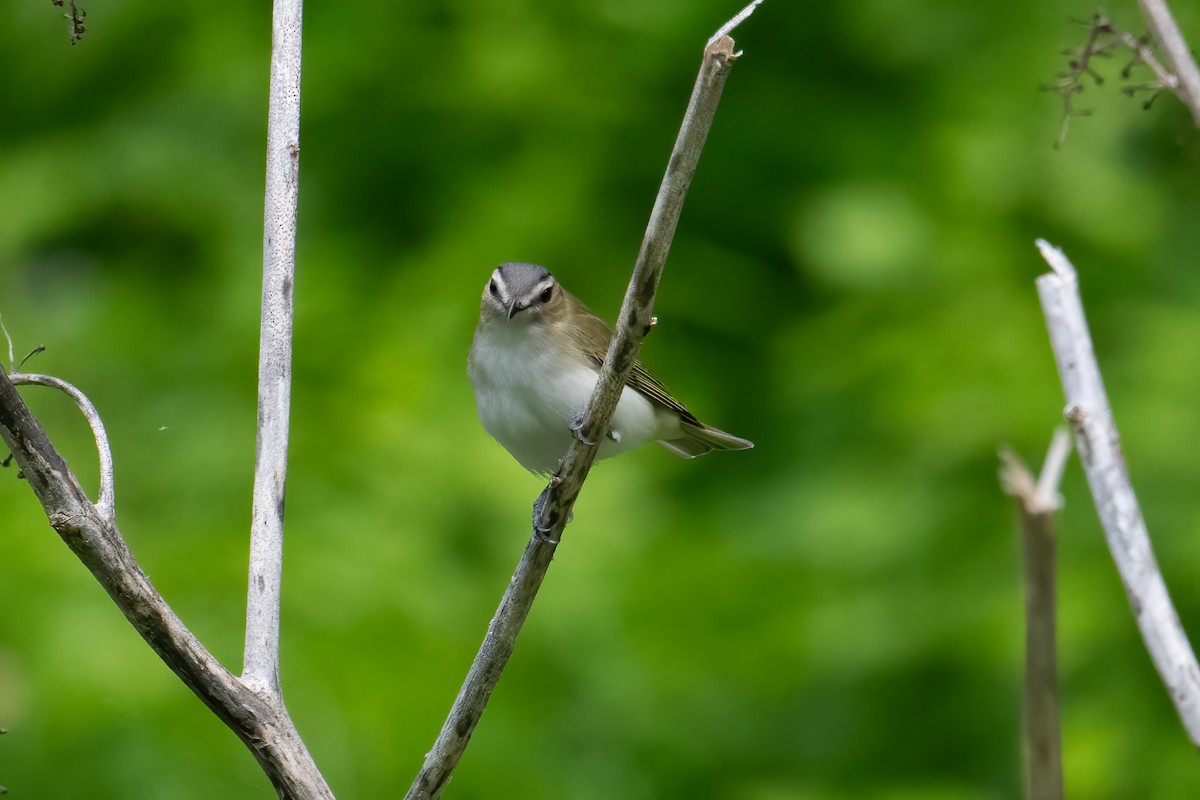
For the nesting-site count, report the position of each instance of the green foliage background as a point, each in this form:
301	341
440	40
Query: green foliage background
836	614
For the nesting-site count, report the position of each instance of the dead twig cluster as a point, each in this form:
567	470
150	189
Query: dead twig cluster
1104	41
75	15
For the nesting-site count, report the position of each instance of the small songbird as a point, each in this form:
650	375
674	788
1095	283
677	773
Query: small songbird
534	361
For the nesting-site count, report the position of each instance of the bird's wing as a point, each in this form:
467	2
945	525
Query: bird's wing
594	341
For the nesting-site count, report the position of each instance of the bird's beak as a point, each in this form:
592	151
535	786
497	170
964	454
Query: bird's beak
513	308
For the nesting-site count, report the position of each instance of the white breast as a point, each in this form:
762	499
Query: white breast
529	391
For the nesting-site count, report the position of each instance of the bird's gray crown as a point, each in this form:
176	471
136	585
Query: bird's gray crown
518	280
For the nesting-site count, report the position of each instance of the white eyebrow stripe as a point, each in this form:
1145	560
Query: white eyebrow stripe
501	286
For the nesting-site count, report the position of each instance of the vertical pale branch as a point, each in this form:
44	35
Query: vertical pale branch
559	497
261	664
1037	501
1179	55
1099	448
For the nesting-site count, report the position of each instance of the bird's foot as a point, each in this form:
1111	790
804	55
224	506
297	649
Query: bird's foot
541	531
577	429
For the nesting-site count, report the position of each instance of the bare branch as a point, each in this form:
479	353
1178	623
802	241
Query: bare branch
259	719
1099	446
1037	502
553	509
261	657
251	706
1144	55
1179	55
106	505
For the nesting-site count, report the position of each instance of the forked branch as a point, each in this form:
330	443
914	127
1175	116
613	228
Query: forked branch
1037	501
1099	448
259	720
1179	55
634	321
252	705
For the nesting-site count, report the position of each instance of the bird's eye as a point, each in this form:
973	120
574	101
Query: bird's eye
545	295
492	290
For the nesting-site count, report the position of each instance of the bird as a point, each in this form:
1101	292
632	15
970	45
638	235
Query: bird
533	364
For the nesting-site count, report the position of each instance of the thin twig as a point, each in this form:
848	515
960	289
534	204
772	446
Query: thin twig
1179	55
1037	501
4	329
107	503
1052	470
1098	443
1070	81
259	719
559	497
734	21
261	656
41	348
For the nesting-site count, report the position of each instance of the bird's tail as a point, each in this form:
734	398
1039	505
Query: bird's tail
696	440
